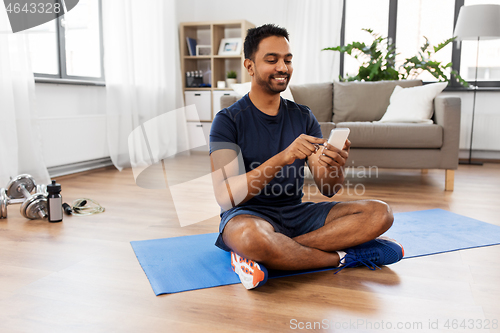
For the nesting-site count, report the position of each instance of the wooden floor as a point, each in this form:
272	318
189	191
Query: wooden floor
81	275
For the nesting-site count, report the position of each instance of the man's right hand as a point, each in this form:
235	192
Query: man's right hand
301	148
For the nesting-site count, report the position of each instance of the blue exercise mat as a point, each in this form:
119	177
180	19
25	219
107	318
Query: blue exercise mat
194	262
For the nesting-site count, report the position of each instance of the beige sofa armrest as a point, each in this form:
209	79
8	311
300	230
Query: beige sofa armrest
447	114
227	101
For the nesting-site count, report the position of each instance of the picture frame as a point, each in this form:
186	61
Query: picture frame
230	46
203	50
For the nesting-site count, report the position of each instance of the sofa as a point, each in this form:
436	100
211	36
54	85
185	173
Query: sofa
360	105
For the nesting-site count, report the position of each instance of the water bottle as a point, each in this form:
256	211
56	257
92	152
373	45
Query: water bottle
54	200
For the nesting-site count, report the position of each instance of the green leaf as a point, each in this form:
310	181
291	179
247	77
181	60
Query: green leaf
443	44
426	45
459	79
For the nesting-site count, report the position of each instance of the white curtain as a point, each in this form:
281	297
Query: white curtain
314	25
20	136
142	68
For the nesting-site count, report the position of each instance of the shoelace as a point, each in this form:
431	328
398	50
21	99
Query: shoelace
365	261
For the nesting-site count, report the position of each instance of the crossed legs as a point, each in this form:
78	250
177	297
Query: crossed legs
347	224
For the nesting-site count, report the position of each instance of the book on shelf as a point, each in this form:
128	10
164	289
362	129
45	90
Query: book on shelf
191	43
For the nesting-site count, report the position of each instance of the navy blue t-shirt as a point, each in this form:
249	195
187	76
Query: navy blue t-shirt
260	137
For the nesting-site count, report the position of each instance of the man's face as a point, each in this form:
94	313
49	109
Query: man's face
272	64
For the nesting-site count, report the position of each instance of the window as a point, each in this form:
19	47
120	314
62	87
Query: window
69	47
407	22
43	49
429	18
359	15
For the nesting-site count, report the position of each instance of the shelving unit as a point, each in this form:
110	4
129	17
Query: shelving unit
211	33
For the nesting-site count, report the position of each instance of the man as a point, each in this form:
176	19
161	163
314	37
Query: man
258	147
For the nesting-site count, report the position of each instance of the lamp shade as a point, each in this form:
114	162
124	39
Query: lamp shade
478	21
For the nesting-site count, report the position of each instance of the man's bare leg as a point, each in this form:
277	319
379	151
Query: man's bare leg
348	224
255	239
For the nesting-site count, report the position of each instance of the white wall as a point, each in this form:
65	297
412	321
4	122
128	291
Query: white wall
257	12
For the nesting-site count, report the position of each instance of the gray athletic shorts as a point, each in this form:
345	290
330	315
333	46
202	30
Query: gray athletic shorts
291	221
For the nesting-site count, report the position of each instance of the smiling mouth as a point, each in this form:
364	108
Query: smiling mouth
280	79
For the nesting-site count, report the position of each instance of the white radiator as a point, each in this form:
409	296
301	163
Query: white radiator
73	139
486	132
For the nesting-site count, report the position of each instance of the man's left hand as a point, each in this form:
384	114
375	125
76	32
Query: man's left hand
332	157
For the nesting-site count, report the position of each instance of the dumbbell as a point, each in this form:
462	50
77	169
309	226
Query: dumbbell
18	198
34	206
42	189
3	204
5	201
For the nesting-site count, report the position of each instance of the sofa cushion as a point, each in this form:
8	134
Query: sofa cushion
413	105
326	128
317	96
364	101
393	135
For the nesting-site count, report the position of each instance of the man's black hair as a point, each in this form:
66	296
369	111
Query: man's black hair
255	35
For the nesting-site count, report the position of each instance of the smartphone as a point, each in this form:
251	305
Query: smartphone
338	136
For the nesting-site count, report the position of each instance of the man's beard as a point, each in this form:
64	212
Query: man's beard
272	86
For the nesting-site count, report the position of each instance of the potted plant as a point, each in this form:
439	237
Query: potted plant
378	61
231	78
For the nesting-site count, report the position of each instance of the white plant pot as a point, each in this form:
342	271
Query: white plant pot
230	82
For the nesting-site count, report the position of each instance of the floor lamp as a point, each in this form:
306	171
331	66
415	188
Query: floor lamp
474	23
